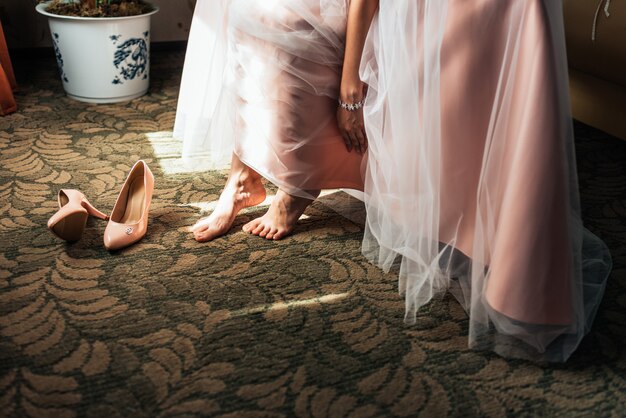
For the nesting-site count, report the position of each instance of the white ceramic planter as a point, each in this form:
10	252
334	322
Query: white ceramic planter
102	60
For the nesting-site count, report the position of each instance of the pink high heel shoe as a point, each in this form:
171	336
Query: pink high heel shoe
129	217
70	220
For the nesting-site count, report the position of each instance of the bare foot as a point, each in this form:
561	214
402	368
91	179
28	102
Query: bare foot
241	191
280	218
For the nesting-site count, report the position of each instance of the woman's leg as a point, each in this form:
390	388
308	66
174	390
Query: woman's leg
243	189
281	217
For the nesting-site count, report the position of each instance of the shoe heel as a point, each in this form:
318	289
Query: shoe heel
69	221
93	211
70	228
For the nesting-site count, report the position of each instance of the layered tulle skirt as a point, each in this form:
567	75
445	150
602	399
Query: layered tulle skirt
262	79
469	182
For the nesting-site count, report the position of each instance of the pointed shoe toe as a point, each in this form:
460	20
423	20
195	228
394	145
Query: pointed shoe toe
118	236
129	218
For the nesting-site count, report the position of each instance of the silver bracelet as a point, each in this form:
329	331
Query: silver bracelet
351	107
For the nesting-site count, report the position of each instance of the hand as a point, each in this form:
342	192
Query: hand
352	129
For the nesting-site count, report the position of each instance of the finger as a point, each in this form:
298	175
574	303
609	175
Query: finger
342	130
352	133
355	142
361	139
347	141
364	135
358	140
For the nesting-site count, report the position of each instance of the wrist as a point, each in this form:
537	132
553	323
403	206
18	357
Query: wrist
351	106
352	92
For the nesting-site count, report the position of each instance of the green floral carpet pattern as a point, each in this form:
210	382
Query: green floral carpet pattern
304	327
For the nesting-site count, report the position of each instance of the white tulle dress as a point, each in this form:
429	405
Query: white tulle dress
469	182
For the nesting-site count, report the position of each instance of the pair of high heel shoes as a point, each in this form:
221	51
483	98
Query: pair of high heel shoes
128	222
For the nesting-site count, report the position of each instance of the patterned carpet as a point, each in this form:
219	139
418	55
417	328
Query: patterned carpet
241	326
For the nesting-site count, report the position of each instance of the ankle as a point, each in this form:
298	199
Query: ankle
240	181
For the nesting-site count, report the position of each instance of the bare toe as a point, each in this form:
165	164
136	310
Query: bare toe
199	227
270	235
251	225
258	229
265	231
202	237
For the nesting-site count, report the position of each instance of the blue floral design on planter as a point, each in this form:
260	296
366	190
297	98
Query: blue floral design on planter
131	58
58	56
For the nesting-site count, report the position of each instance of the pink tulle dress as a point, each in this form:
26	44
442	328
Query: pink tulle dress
469	183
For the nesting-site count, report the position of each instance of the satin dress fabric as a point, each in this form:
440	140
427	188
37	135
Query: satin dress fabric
469	183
